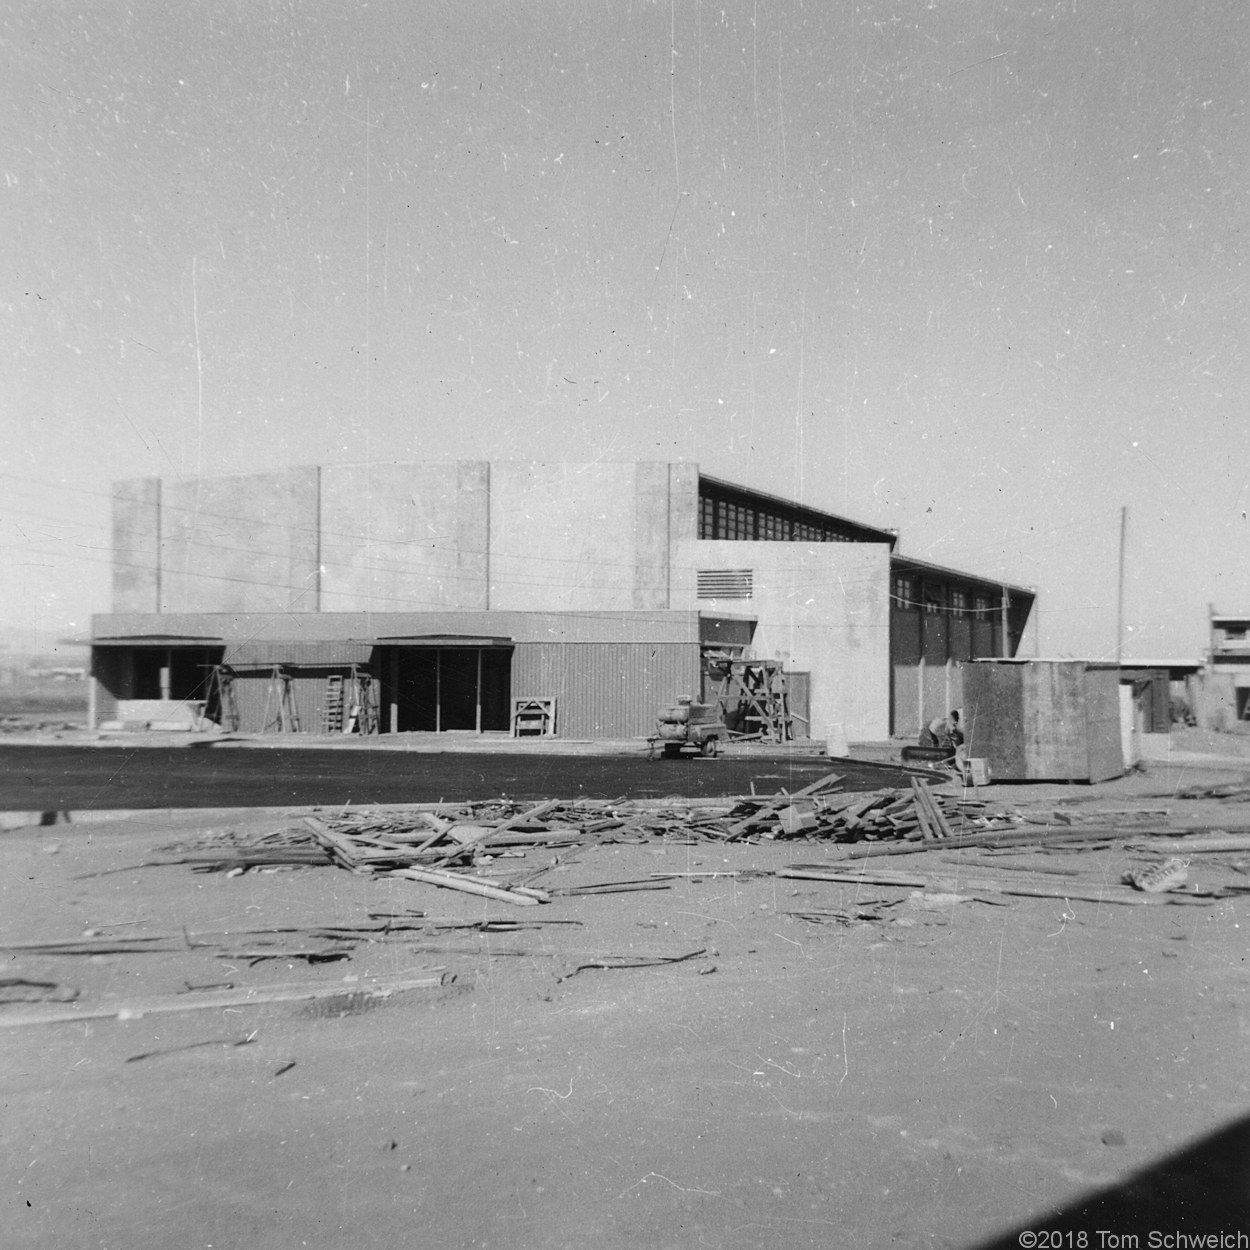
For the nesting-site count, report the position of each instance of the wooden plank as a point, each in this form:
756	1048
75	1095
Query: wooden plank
779	800
919	790
1197	845
925	800
469	885
1099	894
341	848
256	996
486	832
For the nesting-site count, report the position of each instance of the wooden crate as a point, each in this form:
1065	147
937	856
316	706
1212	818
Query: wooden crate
1043	720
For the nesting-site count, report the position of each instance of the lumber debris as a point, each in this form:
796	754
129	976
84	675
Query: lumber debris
633	961
470	847
256	996
473	885
26	990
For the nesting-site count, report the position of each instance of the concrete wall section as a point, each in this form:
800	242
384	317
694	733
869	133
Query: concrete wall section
821	607
473	533
137	545
241	544
683	502
402	538
651	536
562	536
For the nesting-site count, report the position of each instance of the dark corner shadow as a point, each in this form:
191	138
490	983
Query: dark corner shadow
1202	1191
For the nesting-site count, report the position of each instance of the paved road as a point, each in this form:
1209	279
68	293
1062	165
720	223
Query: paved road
36	778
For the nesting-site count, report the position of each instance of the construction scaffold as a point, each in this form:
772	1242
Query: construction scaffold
349	702
753	696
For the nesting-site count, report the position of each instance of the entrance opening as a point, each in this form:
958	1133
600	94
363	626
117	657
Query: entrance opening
1243	703
178	674
445	689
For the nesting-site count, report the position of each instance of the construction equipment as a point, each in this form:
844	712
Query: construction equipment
362	711
687	725
281	715
350	703
753	698
221	704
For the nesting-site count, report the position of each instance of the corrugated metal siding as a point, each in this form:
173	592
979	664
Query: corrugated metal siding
605	690
251	692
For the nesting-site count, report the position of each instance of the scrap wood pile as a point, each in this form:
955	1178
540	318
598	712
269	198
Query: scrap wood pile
468	846
499	848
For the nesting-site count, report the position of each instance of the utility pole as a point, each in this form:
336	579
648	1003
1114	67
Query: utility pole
1119	600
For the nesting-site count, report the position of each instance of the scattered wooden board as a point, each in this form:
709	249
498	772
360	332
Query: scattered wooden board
256	996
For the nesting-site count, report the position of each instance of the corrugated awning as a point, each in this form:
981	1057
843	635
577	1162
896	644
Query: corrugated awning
159	640
297	654
445	640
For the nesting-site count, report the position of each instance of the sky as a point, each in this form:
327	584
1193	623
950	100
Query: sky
969	269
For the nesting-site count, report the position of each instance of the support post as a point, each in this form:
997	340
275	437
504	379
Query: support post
1119	599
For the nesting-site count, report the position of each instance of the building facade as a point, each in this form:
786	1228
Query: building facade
464	588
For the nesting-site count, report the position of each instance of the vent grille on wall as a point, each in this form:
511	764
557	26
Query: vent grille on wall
725	583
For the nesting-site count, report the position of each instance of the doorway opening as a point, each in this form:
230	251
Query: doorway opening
446	689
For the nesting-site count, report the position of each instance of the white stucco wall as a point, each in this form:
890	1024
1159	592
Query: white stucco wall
822	608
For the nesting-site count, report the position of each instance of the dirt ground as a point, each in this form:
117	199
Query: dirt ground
923	1069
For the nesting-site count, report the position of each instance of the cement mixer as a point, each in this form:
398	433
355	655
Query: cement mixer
689	726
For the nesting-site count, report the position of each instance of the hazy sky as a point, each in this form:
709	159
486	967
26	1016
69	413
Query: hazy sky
971	269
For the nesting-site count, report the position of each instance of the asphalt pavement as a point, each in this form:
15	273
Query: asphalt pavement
57	778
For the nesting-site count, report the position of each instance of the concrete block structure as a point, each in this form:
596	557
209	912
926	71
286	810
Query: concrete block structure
465	587
1220	695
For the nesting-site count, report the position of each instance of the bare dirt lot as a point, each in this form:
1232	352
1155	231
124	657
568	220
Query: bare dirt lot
827	1064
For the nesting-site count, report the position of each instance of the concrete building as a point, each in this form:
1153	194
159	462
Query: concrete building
466	587
1220	694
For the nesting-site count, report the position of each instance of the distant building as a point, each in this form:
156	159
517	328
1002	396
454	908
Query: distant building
463	588
1222	698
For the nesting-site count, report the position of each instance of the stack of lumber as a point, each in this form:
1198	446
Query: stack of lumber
915	814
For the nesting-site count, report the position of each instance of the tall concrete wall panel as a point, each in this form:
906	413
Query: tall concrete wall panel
137	545
241	544
683	520
651	535
473	533
562	536
402	538
821	607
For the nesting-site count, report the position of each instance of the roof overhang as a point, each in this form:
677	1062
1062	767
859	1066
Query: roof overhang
872	533
442	640
902	563
159	640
